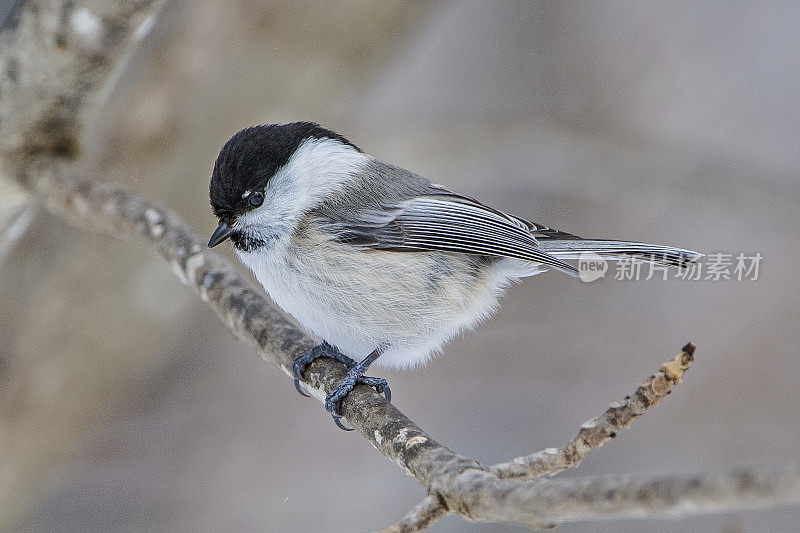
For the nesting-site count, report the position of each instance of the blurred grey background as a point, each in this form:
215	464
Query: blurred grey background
125	405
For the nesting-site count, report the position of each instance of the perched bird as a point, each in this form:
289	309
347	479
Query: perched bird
377	261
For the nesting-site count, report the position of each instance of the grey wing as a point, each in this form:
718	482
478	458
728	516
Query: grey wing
443	221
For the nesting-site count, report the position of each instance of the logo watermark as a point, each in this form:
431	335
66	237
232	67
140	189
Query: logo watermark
591	267
713	267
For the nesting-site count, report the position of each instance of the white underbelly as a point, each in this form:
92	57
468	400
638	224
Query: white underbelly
412	303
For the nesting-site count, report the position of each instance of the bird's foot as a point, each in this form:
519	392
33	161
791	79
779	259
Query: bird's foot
301	362
333	402
355	375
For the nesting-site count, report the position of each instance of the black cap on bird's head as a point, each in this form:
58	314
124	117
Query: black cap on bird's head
248	161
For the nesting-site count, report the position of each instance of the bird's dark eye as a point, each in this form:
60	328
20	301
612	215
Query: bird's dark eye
256	199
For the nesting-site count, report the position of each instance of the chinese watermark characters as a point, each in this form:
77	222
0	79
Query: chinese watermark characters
713	267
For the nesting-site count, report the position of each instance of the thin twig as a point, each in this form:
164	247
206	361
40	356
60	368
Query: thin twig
426	512
592	434
597	431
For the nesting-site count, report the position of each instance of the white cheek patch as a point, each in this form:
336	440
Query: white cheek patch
318	168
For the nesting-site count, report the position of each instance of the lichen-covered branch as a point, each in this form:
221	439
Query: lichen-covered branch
55	57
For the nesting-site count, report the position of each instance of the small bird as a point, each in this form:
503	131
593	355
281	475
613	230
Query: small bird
378	262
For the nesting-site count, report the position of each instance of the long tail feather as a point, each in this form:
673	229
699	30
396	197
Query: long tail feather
617	250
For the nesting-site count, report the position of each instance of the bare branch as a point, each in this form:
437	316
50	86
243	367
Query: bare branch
597	431
428	511
592	434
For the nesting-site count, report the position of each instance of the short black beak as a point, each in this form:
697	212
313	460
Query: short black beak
222	232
